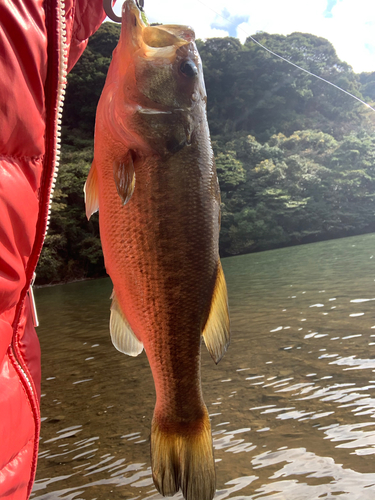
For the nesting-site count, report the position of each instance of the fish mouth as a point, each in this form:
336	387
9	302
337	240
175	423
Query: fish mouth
165	37
159	66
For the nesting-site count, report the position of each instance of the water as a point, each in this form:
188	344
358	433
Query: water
292	403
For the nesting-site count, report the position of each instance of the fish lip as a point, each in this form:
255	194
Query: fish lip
132	25
138	35
129	7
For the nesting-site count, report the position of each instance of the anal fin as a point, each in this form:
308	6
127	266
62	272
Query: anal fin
122	336
216	332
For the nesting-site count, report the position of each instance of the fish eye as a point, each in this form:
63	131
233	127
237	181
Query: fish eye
188	68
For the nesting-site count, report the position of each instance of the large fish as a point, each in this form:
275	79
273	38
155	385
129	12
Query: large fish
154	179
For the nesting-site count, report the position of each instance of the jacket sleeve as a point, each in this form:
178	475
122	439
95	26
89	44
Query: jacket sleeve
26	61
23	73
23	67
83	21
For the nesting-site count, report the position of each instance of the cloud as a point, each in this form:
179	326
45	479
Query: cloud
330	5
228	22
348	24
351	30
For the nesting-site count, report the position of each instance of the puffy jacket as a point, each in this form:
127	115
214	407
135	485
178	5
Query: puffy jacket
39	42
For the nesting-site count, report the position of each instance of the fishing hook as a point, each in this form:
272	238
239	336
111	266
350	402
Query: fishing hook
107	6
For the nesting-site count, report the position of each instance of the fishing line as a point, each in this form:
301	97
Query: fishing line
292	63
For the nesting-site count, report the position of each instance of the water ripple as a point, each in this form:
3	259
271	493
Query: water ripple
292	404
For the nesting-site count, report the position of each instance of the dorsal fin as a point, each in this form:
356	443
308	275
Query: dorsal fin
91	191
123	337
216	332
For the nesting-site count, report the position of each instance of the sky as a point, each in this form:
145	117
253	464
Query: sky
348	24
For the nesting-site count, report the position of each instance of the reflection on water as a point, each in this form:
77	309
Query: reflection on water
292	404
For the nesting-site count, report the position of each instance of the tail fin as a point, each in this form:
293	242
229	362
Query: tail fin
184	460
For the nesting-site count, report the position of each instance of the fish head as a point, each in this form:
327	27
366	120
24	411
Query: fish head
154	99
160	66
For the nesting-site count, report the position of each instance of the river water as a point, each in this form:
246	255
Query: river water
292	403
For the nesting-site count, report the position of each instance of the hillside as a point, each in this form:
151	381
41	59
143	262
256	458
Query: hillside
295	156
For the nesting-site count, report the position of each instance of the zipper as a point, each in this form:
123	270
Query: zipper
56	78
56	148
20	367
63	71
54	97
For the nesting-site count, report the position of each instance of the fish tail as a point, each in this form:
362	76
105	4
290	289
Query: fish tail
183	459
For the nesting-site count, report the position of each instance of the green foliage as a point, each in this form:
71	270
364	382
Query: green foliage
300	188
86	81
368	85
251	90
295	157
229	170
72	247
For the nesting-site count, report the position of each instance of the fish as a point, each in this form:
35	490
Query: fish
153	179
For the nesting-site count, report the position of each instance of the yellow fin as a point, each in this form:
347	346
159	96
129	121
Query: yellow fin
91	191
216	332
183	459
124	175
122	336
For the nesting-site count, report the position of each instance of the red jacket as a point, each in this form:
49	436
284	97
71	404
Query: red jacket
39	42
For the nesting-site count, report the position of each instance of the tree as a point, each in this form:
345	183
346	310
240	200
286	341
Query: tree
72	248
295	157
86	81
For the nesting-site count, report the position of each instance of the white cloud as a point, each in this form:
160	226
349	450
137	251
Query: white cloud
353	33
351	29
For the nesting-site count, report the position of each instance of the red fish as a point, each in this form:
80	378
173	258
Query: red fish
154	182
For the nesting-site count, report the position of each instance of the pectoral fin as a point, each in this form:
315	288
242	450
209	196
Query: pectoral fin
91	191
216	332
124	175
123	337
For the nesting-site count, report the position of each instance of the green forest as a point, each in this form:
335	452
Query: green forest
295	156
